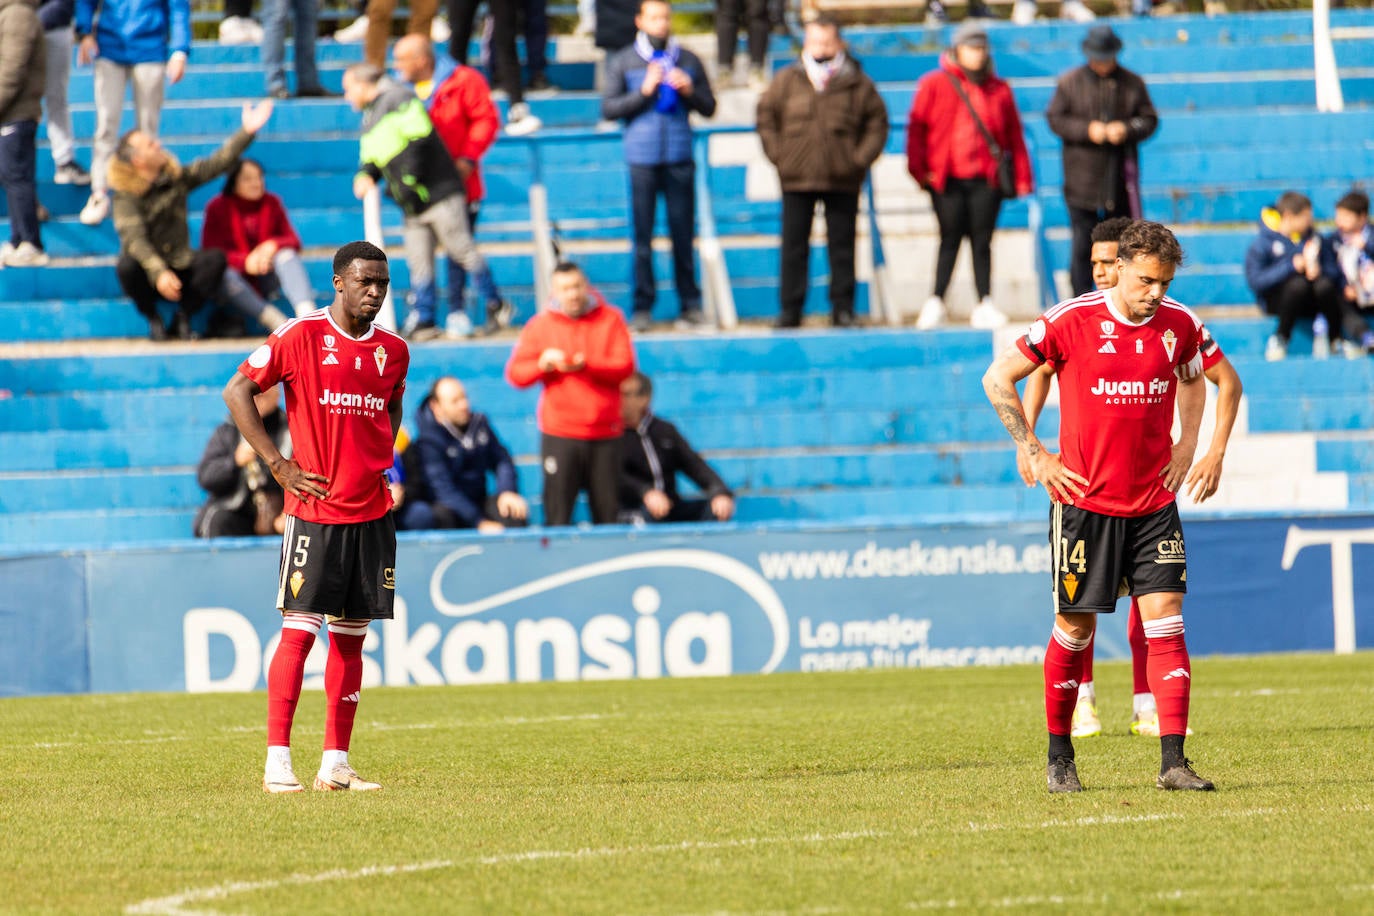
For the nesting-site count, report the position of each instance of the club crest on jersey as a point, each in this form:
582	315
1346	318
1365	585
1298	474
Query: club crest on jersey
379	357
1170	341
329	341
1109	329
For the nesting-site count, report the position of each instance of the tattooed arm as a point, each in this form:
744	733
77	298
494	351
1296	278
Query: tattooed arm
999	383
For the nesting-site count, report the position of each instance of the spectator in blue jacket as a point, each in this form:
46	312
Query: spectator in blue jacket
1284	269
653	86
129	41
56	17
456	448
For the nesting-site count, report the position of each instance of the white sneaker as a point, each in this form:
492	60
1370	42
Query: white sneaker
987	316
351	34
253	30
519	121
1023	12
1276	349
439	32
26	255
96	209
343	777
278	779
933	314
231	31
6	250
1076	11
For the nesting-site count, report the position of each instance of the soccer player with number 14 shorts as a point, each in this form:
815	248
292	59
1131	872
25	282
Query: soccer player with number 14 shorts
1124	355
344	378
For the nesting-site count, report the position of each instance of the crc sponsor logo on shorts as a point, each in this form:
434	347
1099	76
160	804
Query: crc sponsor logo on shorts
1171	549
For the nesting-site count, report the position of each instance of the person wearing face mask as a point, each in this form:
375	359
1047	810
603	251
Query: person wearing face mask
653	86
964	145
823	124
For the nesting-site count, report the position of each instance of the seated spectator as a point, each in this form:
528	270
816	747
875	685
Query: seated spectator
653	453
245	499
156	261
22	76
1283	267
1349	255
251	227
579	349
454	450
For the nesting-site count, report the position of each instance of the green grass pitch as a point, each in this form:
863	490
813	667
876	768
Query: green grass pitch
872	792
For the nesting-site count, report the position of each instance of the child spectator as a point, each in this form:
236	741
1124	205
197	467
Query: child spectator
251	227
1349	261
1283	268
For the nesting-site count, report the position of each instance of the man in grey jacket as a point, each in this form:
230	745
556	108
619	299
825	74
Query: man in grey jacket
22	63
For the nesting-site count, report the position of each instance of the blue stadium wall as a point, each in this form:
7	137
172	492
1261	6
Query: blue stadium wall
693	601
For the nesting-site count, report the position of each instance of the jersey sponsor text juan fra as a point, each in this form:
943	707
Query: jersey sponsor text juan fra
337	392
1117	384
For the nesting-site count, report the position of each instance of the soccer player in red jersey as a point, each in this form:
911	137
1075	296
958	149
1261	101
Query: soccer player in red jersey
1123	356
1202	483
344	378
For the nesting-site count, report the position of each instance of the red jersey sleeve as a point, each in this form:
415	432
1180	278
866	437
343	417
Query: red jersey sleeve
271	363
1042	343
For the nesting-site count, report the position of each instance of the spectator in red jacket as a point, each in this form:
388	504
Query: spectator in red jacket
963	123
459	103
251	227
579	349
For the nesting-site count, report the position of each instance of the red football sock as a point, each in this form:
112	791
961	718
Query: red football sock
1063	663
284	677
1086	661
1171	675
343	678
1135	635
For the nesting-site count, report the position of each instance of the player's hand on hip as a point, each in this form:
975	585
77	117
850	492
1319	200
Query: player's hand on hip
1064	485
300	482
1181	458
1204	478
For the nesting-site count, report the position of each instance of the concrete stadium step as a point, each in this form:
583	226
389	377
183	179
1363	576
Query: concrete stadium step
1285	129
218	81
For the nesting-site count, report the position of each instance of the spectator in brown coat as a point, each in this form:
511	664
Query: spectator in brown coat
823	124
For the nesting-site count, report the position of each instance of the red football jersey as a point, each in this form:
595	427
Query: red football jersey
337	392
1117	382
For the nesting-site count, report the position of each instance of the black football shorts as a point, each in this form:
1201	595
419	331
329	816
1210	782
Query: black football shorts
339	570
1099	558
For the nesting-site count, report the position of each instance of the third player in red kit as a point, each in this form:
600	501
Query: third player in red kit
344	378
1124	356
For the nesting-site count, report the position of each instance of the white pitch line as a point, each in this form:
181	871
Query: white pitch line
176	904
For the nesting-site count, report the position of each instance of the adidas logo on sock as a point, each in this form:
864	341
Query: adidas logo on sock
351	698
1178	672
1066	685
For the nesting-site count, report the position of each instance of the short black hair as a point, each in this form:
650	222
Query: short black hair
356	251
1354	200
1154	240
1109	230
231	177
568	267
642	382
1291	203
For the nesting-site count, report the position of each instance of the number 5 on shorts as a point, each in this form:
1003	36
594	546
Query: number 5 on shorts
301	555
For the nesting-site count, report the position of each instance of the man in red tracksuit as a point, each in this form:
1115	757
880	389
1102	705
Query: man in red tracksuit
459	103
579	348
